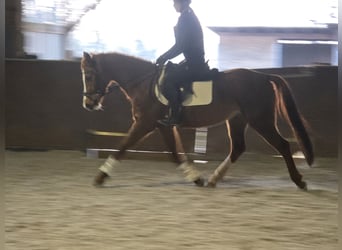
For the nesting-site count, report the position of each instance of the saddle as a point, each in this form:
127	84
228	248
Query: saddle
197	93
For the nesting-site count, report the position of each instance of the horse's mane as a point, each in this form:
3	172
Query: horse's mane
122	57
120	67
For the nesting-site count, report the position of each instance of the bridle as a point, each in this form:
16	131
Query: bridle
101	92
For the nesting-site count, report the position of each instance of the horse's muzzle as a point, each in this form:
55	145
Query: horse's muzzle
92	104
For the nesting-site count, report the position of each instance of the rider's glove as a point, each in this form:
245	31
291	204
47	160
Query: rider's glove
161	61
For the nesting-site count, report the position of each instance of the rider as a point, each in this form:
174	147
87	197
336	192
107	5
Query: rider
189	41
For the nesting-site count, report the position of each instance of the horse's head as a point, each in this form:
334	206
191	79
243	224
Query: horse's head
103	72
94	87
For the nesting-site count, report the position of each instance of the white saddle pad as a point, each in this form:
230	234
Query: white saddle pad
203	93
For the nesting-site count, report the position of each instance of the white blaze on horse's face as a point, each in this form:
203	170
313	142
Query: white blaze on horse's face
84	90
91	99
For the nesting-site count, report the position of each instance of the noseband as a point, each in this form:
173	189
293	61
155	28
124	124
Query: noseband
102	92
99	89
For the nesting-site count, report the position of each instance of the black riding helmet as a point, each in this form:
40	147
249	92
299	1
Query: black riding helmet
183	1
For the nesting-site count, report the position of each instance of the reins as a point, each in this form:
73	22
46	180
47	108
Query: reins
105	90
144	77
133	82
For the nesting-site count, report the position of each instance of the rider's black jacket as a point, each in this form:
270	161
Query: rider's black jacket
189	39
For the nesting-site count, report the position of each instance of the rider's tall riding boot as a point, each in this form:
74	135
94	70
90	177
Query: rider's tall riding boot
174	116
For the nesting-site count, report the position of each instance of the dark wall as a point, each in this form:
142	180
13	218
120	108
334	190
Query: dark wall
44	110
43	104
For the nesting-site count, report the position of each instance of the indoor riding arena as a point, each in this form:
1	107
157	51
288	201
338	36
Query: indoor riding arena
54	148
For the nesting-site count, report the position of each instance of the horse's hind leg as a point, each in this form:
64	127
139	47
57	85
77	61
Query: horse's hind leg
236	128
174	143
269	132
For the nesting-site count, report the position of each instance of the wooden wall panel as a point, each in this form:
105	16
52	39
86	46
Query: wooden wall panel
44	110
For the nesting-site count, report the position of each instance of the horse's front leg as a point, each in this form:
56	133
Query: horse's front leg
136	132
172	139
221	170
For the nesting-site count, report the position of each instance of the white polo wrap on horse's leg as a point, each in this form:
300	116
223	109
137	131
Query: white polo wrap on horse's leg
109	165
191	173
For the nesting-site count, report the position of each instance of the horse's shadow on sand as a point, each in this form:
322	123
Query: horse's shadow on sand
245	183
149	185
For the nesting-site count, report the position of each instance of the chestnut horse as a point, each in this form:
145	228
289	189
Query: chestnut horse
241	98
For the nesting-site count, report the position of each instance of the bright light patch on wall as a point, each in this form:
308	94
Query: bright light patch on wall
307	42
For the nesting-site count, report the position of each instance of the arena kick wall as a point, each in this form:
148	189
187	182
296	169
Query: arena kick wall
44	111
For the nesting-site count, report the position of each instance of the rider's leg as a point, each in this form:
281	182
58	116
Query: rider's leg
171	90
175	109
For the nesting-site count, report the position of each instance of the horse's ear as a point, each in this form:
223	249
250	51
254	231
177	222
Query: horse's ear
86	56
88	60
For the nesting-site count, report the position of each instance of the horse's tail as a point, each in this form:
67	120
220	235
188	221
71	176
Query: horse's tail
286	107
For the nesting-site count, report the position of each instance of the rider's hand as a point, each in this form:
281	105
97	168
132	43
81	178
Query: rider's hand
160	61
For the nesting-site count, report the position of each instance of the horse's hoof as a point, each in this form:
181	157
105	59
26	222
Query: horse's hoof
211	185
303	186
100	179
199	182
